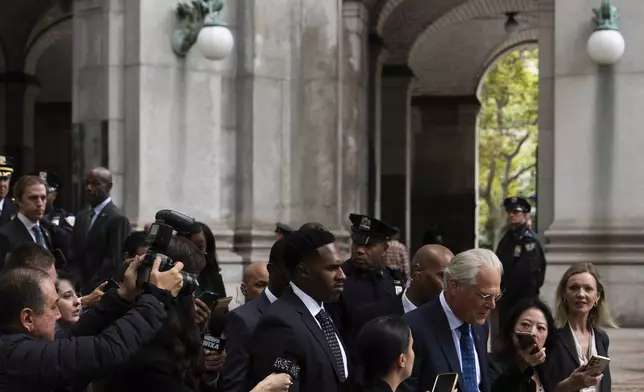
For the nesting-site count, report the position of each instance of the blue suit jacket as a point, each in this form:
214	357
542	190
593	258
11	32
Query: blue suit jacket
435	350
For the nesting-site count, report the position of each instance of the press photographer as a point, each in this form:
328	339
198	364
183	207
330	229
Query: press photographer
31	360
173	360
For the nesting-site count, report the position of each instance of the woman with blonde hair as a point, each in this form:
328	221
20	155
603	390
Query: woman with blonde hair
581	315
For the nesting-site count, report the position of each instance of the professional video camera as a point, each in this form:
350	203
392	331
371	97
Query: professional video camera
167	221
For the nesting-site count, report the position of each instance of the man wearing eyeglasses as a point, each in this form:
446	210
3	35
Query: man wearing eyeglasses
451	332
522	256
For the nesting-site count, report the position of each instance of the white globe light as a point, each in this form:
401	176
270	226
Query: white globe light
606	47
215	42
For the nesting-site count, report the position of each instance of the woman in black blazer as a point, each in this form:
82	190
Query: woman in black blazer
581	315
519	369
386	353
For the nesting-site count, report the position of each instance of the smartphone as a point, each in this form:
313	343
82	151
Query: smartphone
223	303
445	382
526	339
209	298
597	362
111	284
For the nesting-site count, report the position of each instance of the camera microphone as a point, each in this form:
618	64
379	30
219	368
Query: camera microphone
214	338
287	364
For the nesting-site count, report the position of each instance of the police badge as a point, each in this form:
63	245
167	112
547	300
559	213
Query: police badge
517	251
365	224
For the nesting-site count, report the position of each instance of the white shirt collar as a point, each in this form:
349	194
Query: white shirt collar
408	306
29	224
453	321
271	297
100	207
312	305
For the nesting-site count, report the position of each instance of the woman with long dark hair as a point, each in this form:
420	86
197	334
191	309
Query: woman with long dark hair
210	278
385	348
173	361
518	368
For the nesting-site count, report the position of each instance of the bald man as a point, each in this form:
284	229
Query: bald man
427	269
255	280
99	233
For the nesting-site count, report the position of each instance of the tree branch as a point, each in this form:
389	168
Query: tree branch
520	173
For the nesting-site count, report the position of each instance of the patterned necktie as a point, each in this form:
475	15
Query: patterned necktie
40	240
334	343
468	359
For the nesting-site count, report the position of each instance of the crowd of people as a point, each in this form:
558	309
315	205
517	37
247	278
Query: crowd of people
88	305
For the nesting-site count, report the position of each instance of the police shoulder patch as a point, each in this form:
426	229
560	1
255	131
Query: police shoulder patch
529	246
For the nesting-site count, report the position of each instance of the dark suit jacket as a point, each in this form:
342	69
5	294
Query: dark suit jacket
98	253
239	329
8	211
435	351
565	359
15	233
288	331
387	307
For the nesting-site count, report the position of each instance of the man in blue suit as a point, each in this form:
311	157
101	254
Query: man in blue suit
451	332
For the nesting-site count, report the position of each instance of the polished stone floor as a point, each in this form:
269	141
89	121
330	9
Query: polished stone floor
627	359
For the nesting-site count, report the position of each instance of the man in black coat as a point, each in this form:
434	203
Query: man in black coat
99	233
30	194
296	335
427	273
7	207
242	321
35	358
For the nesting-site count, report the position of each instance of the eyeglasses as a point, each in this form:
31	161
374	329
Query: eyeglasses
496	297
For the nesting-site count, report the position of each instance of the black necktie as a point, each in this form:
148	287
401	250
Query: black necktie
92	214
331	338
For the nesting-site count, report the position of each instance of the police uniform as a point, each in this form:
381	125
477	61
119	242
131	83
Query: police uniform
59	222
363	287
524	263
8	208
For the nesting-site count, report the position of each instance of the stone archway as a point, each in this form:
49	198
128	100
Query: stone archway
47	101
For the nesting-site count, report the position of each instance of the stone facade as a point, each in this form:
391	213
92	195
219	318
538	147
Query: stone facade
327	107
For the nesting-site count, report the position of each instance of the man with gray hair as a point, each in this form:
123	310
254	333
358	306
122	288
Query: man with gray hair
451	332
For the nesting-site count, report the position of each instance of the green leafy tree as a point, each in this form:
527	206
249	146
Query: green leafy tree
507	138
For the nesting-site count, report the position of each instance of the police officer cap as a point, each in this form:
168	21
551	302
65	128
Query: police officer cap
516	203
6	166
283	228
366	230
51	179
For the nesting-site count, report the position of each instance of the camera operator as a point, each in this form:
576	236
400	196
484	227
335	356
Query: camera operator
31	360
173	360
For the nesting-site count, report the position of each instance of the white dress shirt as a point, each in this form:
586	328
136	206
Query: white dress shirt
2	204
408	306
454	323
98	209
29	224
271	297
314	308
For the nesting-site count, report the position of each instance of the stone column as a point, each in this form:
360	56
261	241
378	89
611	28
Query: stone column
355	110
598	181
396	135
97	95
377	56
444	170
545	161
29	137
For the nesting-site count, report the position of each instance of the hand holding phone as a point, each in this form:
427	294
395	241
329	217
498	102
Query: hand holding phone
209	298
597	363
526	339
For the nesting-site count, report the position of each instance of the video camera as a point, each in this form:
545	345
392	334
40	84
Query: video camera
158	239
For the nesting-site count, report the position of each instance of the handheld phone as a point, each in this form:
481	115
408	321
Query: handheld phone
111	284
525	339
597	362
209	298
223	303
445	382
